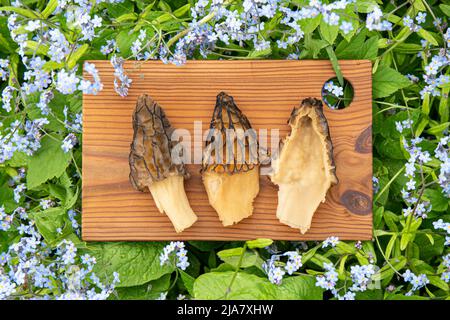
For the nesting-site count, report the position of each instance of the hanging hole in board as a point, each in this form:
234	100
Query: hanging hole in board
335	96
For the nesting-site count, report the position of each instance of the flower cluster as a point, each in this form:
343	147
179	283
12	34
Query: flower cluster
402	125
77	13
121	80
374	21
414	26
446	264
435	76
361	278
276	269
69	142
417	158
136	47
46	204
417	282
87	86
442	153
4	73
73	220
109	47
329	279
38	36
177	250
330	241
6	98
29	261
441	225
21	137
5	219
335	90
67	82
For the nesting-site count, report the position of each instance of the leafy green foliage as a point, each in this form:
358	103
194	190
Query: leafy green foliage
137	263
387	81
215	285
49	162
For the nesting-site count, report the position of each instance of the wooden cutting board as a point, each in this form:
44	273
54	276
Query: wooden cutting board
266	91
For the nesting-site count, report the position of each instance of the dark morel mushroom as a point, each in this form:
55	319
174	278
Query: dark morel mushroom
230	167
304	169
151	164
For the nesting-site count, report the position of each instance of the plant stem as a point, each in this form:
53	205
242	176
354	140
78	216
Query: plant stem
204	20
238	267
389	183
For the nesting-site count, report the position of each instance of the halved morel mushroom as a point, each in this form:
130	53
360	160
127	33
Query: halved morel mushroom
230	167
152	165
304	169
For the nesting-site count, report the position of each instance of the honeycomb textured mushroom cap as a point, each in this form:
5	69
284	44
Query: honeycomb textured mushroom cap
228	118
151	149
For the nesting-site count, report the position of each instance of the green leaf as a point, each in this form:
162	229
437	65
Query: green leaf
312	48
357	48
127	17
117	9
365	6
36	47
426	104
5	45
335	64
48	221
327	32
444	104
232	257
214	285
388	269
403	297
180	12
445	9
136	262
438	201
52	65
438	129
75	56
19	159
124	41
386	81
22	11
422	125
259	243
206	245
390	246
259	53
409	232
310	253
49	162
148	291
390	148
164	6
370	295
309	25
188	282
7	197
49	9
428	36
438	282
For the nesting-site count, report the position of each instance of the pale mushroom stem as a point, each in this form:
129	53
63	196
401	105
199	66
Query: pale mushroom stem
232	195
170	198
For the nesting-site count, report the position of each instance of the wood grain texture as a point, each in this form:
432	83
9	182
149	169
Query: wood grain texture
266	91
